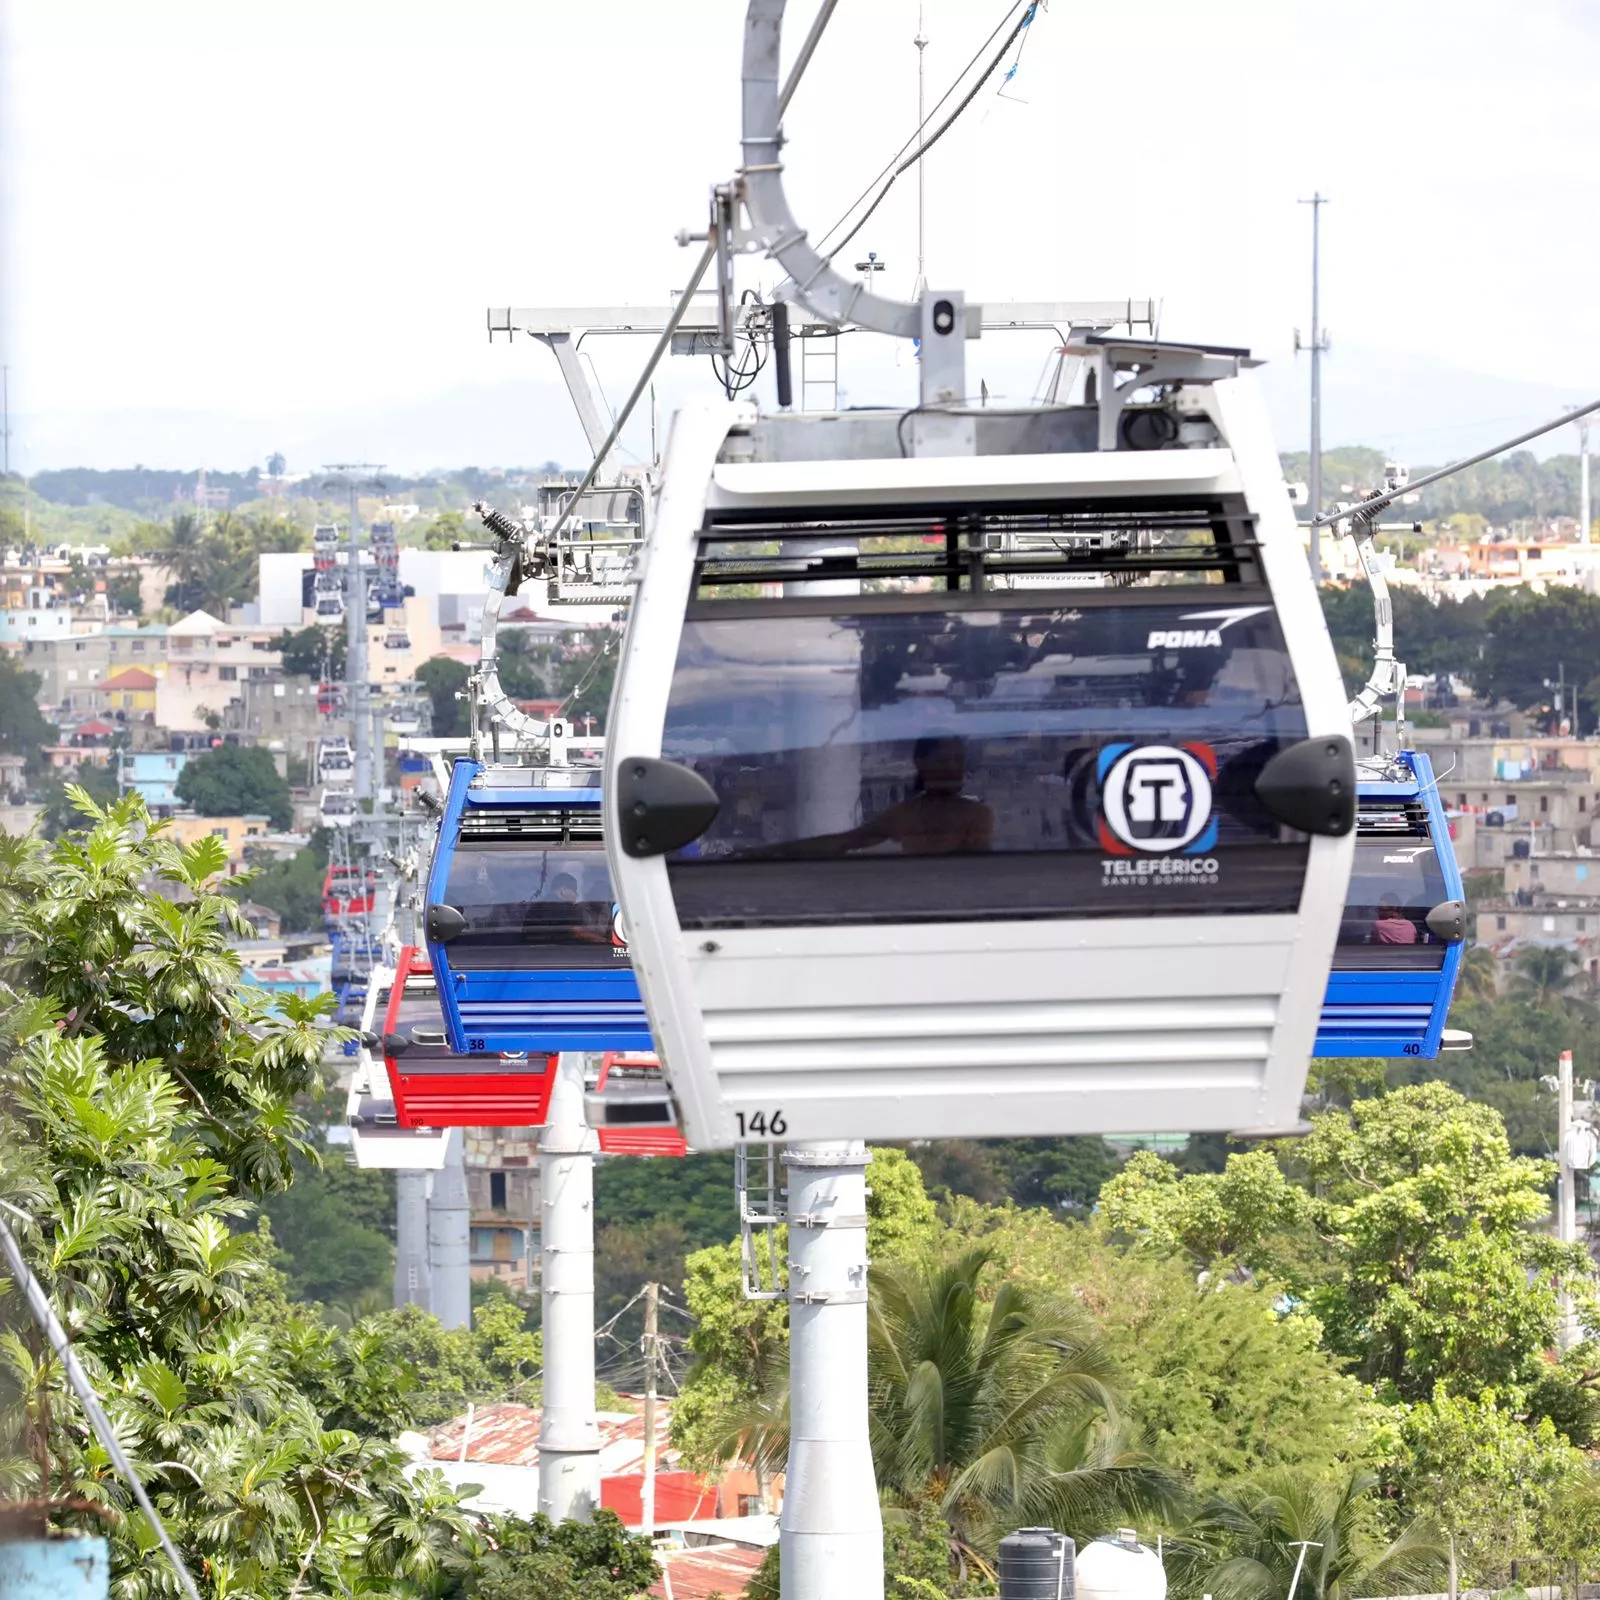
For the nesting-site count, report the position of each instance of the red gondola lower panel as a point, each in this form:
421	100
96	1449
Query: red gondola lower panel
434	1087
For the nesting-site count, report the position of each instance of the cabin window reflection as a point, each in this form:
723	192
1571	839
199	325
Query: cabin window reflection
519	899
854	740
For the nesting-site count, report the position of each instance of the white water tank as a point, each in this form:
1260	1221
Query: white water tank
1118	1567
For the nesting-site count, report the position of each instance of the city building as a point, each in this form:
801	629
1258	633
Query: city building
154	773
67	667
126	695
503	1194
235	832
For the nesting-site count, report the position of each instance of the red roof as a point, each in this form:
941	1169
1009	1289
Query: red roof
129	678
711	1570
95	728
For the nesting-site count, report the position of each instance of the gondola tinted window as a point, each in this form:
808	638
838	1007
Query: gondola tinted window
933	764
1394	884
528	907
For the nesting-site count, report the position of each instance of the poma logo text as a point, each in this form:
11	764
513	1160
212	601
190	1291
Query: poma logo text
1156	798
1184	639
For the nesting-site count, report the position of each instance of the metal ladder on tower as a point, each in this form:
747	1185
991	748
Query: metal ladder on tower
819	367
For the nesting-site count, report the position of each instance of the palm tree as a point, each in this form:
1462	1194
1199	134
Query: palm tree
1547	975
1247	1547
181	550
1480	973
1000	1414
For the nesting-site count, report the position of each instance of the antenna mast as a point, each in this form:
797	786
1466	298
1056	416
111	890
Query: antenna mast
921	42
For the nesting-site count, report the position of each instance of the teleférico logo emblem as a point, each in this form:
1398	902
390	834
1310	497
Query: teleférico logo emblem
1156	798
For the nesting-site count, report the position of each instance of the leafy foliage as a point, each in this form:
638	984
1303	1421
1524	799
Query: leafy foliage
145	1102
99	783
236	781
1214	1375
442	680
1503	1488
1239	1215
313	652
23	729
213	564
1440	1278
1248	1546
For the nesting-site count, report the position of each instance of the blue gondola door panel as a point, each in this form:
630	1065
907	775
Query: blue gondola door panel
1400	938
524	934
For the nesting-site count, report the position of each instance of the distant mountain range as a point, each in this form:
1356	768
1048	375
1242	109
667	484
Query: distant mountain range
1408	406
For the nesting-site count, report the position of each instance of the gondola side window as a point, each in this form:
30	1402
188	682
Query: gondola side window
1394	884
529	907
985	764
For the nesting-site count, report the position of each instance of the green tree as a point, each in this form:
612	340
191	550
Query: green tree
1479	977
738	1345
276	464
313	652
179	548
999	1413
1250	1543
521	673
442	680
155	979
1220	1377
448	529
1247	1215
236	781
333	1228
99	783
23	729
543	1560
1547	976
146	1098
1440	1277
292	888
1504	1490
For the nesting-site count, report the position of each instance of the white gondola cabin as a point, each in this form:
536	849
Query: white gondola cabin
998	793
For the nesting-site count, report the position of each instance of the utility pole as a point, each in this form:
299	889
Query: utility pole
1319	343
5	421
647	1494
1567	1191
569	1431
921	43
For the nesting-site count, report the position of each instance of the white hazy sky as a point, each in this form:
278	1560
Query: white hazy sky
238	225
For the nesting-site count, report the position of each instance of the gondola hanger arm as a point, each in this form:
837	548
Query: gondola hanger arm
1388	674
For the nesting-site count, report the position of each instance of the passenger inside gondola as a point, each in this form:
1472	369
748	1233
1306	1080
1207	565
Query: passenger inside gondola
1393	925
935	819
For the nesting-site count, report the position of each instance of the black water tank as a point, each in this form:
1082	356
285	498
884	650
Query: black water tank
1036	1564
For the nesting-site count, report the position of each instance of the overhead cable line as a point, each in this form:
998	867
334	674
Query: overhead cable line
901	162
1387	497
807	50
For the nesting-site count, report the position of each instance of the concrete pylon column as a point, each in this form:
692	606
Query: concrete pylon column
450	1238
569	1432
831	1531
411	1287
